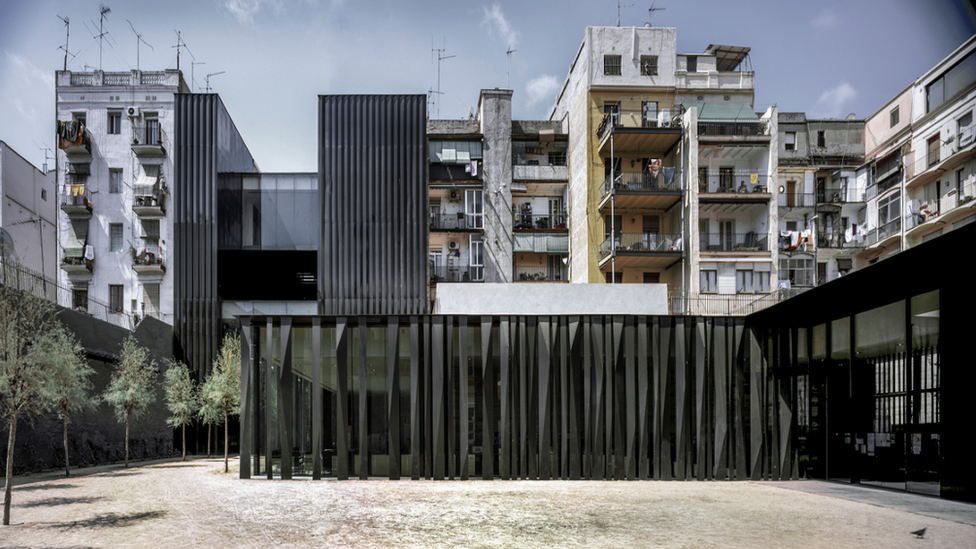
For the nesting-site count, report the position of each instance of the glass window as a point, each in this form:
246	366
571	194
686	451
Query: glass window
79	299
150	300
893	117
115	298
115	237
611	65
114	180
474	208
114	122
648	65
709	280
789	141
743	282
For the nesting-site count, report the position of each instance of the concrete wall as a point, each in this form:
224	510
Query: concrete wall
35	242
495	113
552	299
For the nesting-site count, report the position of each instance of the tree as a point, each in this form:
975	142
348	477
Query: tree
70	383
130	390
27	326
223	388
209	412
181	397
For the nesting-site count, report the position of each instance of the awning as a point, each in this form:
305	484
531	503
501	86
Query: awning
724	112
541	243
146	185
74	245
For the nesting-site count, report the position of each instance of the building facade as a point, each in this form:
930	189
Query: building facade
28	215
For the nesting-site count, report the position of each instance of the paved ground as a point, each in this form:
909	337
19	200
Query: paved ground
194	504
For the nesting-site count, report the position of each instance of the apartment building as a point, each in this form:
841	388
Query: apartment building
28	214
114	169
920	168
820	198
670	169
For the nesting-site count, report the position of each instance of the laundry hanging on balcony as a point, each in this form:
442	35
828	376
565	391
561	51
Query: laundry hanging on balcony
72	133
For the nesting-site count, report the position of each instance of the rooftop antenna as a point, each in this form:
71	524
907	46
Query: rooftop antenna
208	78
508	55
618	10
47	155
439	59
67	34
103	11
181	44
138	39
650	12
193	65
430	97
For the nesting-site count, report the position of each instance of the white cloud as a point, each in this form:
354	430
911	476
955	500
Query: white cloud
495	21
825	20
29	72
831	102
541	88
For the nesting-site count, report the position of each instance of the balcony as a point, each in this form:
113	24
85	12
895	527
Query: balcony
884	234
795	241
715	80
75	202
455	273
795	200
540	174
642	250
733	242
948	155
836	194
643	190
536	274
536	242
148	201
748	188
531	222
74	263
840	241
147	140
148	264
456	222
745	128
632	131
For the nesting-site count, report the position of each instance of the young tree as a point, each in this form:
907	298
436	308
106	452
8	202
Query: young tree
181	397
223	388
70	383
130	390
209	412
26	326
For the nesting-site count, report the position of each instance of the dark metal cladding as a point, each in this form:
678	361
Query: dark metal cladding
373	196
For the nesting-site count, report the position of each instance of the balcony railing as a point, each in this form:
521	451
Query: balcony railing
536	274
667	179
641	242
733	129
734	183
918	162
884	231
76	265
727	304
456	221
738	242
147	199
841	195
795	200
148	263
839	240
456	273
74	201
637	119
147	140
536	222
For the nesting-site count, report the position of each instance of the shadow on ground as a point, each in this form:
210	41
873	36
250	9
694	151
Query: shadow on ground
28	487
110	520
59	501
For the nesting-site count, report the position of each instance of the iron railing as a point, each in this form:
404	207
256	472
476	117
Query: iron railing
841	195
455	273
536	274
727	304
795	200
737	242
714	129
456	221
522	221
147	134
667	179
641	242
839	240
734	182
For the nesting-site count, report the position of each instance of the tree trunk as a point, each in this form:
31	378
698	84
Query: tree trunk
67	472
127	438
209	428
10	470
184	441
225	440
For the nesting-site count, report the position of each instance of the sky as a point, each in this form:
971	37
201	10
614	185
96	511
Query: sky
827	58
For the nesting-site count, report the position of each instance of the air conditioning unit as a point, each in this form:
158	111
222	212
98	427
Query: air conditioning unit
454	195
453	245
133	112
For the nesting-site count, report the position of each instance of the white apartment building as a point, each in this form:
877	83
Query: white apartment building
113	189
28	214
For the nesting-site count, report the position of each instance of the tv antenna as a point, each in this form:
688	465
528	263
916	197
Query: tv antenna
47	155
508	56
430	98
193	65
208	78
179	45
440	57
618	10
67	34
138	39
650	12
103	10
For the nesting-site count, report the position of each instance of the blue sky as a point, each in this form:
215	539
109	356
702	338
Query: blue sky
827	58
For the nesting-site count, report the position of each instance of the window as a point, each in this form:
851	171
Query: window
115	298
557	158
821	138
614	221
43	194
893	117
150	229
709	280
889	215
950	83
79	299
473	208
934	150
964	129
613	109
611	65
115	122
703	179
762	282
692	63
150	300
789	142
114	180
743	282
80	117
614	278
798	270
115	237
791	225
648	65
476	257
649	110
153	135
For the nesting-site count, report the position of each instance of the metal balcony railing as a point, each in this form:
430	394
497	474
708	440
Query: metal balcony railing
839	240
795	200
734	183
637	119
456	221
918	162
76	195
147	134
841	195
146	196
731	129
531	221
667	179
456	273
727	304
737	242
642	242
535	274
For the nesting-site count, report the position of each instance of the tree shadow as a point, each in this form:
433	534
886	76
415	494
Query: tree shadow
122	473
38	486
48	502
110	520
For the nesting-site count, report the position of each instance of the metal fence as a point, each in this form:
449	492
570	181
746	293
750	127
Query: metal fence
27	280
727	305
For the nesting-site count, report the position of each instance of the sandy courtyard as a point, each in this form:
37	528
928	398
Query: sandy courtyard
194	504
